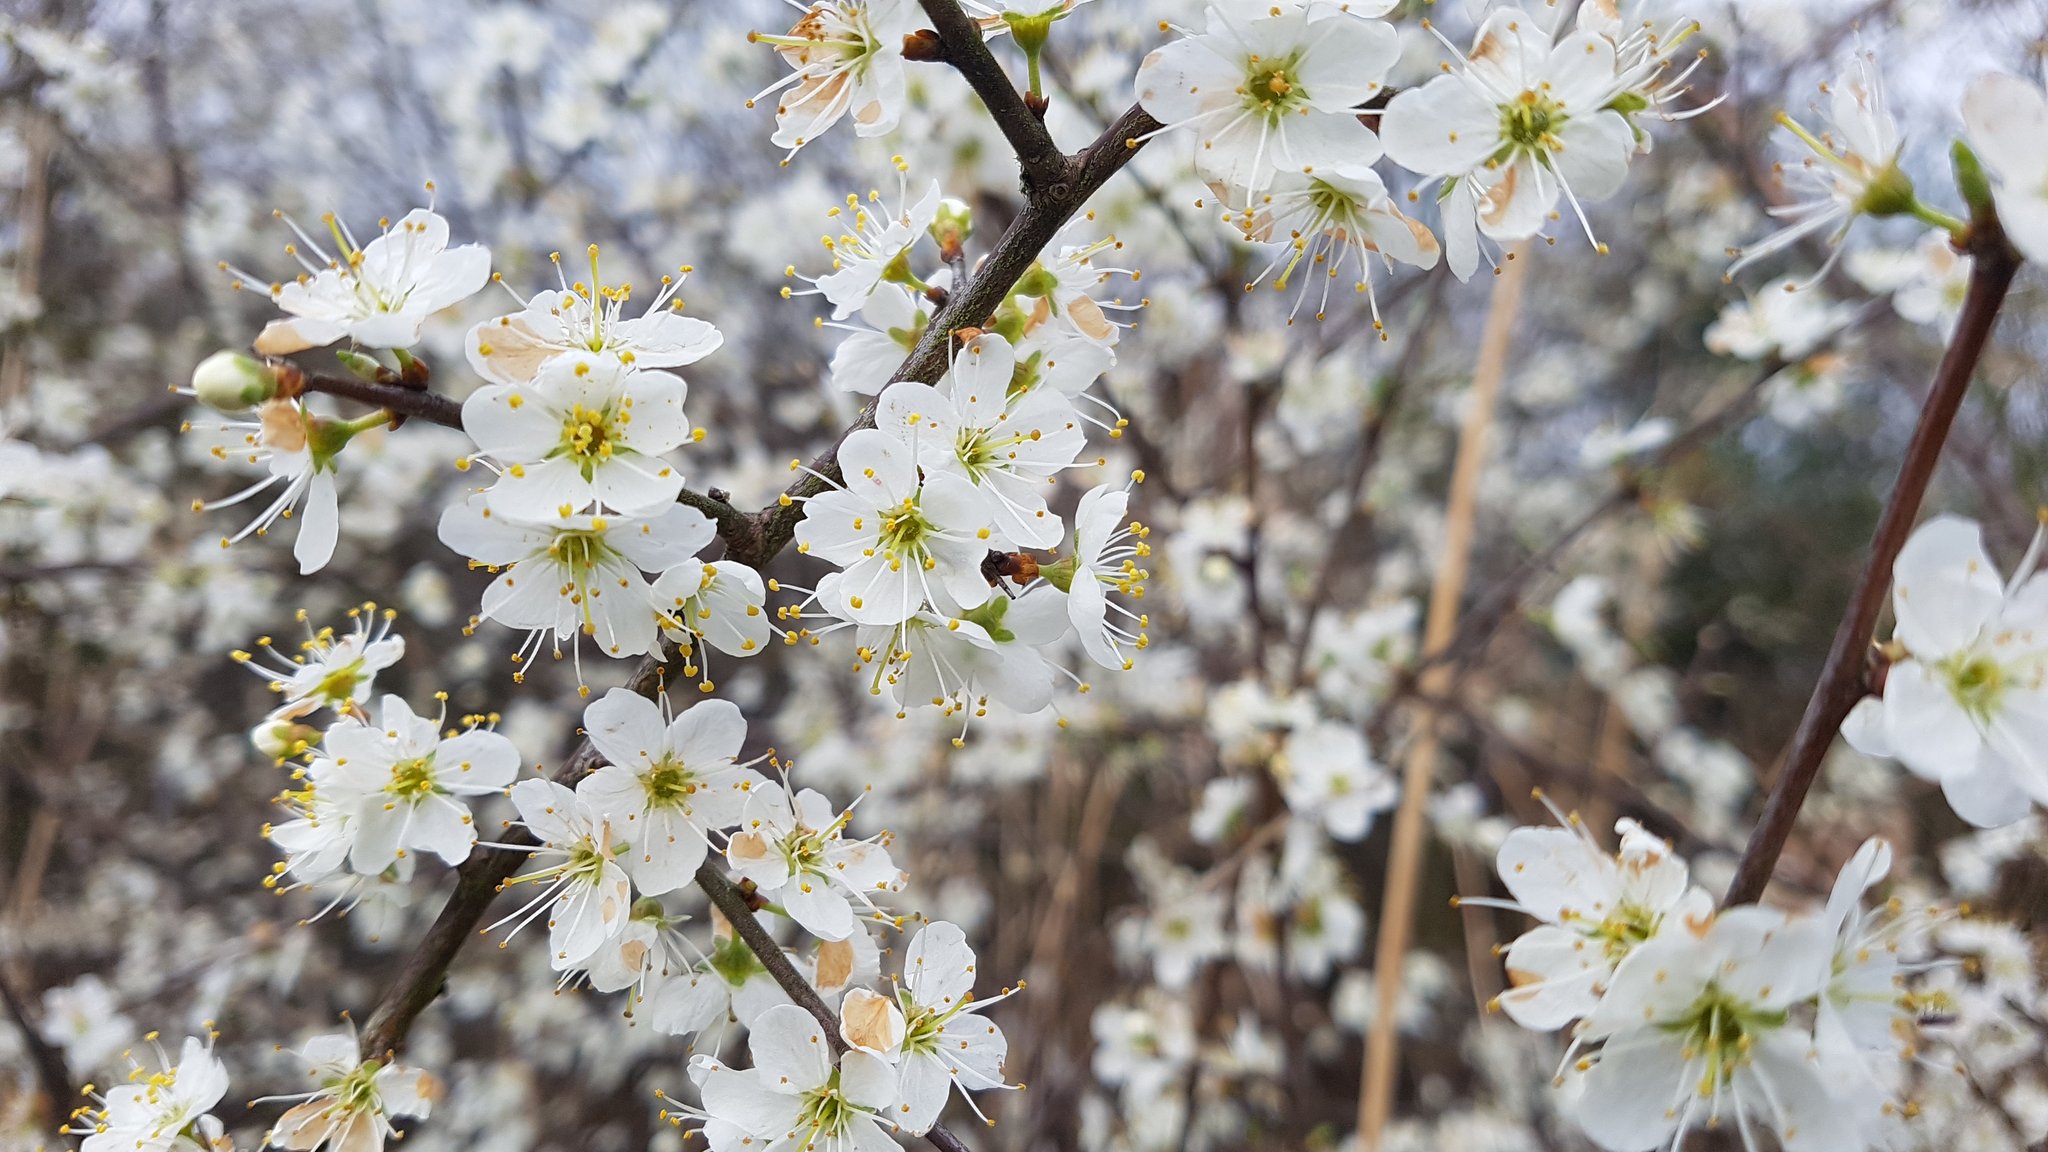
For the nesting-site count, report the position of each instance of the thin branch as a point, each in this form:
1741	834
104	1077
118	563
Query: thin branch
1993	264
51	1072
1043	165
414	402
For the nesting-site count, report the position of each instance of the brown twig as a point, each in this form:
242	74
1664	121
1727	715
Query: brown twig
1841	685
1043	166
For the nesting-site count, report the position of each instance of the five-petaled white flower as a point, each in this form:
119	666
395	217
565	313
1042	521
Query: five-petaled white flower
873	250
298	450
1595	909
1523	121
351	1110
1965	702
795	1096
378	295
943	1038
403	786
1105	556
796	852
587	434
585	894
846	58
971	427
1278	92
1332	779
330	670
1340	216
590	319
1695	1031
579	576
667	783
716	605
162	1111
903	539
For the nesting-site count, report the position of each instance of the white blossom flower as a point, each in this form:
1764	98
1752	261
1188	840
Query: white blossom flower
1008	448
85	1019
796	852
1272	93
379	294
1340	216
1595	909
403	786
719	605
1927	282
318	839
902	540
1966	701
2007	122
584	891
846	58
874	248
299	451
960	663
944	1040
894	319
1331	779
588	433
1851	169
590	319
666	783
794	1096
730	985
1063	287
168	1110
1105	557
1780	319
575	577
329	670
1695	1031
351	1110
1523	120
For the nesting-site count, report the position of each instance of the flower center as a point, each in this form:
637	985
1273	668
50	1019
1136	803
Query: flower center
412	779
1976	681
921	1026
1530	123
826	1111
905	530
669	784
1272	89
587	436
1720	1029
1628	926
357	1091
339	684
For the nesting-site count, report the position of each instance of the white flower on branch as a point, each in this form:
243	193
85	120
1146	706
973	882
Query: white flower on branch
351	1110
329	670
403	786
590	318
719	605
874	248
585	895
1008	448
796	852
1519	122
795	1095
1331	779
575	577
587	434
668	781
1595	909
299	451
166	1110
1337	218
845	58
1696	1031
377	294
942	1040
904	538
1271	93
1965	702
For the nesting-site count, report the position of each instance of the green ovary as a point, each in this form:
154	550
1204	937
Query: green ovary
1977	682
669	784
412	779
1273	89
1721	1029
1531	123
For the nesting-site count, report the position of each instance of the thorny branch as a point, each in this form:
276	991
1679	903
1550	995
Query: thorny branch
1057	187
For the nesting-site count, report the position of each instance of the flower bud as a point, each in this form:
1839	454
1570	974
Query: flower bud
232	382
952	227
362	366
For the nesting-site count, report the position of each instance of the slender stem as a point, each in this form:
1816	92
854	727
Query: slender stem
1044	167
414	402
1841	679
1404	862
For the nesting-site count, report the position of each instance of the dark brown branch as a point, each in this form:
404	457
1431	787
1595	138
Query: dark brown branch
414	402
1841	683
52	1075
1043	165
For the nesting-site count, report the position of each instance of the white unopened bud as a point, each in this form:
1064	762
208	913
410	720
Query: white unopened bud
232	382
